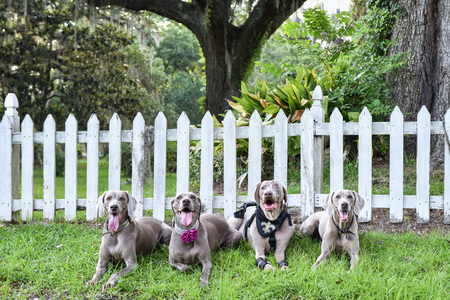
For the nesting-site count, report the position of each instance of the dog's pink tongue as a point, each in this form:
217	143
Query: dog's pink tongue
343	215
113	221
186	218
272	206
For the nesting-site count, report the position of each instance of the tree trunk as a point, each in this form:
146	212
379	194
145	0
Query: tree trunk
424	30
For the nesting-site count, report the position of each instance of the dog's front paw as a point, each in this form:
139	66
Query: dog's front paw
91	282
204	282
107	285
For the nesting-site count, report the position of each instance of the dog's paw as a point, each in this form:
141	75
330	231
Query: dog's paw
204	282
91	282
268	267
107	285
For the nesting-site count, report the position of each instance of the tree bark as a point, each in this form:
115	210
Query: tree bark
424	30
229	50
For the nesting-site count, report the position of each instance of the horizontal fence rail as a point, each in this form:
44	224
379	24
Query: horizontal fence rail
17	152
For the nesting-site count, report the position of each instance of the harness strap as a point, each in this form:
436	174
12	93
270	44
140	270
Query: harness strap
345	231
261	263
283	263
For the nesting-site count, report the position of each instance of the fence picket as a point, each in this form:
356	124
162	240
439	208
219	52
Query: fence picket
365	164
229	164
207	163
183	149
281	148
307	165
396	167
27	168
138	164
49	168
71	161
159	187
254	154
318	114
115	152
6	170
447	168
336	151
92	167
423	166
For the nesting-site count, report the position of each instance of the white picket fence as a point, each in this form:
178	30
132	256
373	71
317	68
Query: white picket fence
16	161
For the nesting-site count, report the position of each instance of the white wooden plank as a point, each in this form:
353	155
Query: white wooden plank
27	168
396	167
318	114
183	152
207	159
115	152
71	160
447	169
6	170
336	151
281	148
138	164
365	164
49	168
92	167
254	154
307	165
160	148
423	166
229	164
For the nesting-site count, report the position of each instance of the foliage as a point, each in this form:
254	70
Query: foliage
58	66
293	97
349	57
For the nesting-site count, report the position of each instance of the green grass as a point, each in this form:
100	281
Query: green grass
55	260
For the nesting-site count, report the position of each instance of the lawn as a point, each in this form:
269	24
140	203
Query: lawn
54	260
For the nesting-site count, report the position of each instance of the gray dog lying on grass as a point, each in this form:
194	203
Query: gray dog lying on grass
124	237
272	228
194	237
337	225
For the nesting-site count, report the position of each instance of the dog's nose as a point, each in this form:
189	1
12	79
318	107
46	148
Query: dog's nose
344	205
114	207
186	201
268	193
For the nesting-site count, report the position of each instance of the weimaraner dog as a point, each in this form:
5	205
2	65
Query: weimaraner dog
337	225
193	237
123	236
272	229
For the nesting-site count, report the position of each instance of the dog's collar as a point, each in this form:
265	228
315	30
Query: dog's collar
345	231
121	226
187	235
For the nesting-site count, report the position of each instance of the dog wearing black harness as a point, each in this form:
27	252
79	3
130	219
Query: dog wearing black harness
337	225
266	223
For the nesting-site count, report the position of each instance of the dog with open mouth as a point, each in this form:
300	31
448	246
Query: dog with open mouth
266	223
125	237
337	225
194	236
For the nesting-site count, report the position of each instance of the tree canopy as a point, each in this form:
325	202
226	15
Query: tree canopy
229	39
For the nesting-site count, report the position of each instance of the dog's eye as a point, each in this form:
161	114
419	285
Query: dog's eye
338	196
191	196
179	197
121	199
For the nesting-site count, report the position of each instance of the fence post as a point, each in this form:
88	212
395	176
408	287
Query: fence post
11	105
318	114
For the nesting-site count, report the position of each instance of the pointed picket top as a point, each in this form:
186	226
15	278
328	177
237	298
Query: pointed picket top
11	105
49	119
207	119
423	112
27	121
317	96
229	119
281	116
396	114
336	115
183	119
93	120
115	121
255	117
160	119
365	112
5	123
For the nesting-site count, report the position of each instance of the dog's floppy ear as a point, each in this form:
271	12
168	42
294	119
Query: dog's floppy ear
201	205
257	192
284	194
101	205
359	203
132	203
327	203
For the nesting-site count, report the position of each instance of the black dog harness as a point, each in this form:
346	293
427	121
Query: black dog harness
266	227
